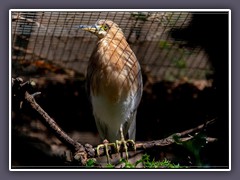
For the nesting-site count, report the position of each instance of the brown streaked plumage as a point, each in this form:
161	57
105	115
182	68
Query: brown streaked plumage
114	82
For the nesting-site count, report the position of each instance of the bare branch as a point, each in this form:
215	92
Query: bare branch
82	153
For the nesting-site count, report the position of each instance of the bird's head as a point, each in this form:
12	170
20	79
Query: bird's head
102	28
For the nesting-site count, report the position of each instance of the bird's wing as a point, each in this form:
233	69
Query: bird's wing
90	71
138	95
131	126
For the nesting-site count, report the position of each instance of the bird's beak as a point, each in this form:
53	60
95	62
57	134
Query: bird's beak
92	28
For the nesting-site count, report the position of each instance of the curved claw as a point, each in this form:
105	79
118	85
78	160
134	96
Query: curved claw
105	146
98	149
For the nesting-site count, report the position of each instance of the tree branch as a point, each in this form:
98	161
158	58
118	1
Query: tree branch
82	153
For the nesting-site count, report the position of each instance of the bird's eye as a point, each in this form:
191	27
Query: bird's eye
105	27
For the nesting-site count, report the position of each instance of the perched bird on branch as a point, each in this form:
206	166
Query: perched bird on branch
114	83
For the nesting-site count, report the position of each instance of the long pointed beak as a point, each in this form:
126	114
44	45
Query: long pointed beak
91	28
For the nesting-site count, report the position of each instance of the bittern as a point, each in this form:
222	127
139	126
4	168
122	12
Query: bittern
114	83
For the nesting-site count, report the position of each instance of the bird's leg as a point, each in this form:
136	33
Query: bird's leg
124	143
105	146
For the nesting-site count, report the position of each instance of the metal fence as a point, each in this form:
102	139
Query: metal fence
53	37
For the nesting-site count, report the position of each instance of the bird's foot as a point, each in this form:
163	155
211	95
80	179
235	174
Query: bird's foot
123	145
106	145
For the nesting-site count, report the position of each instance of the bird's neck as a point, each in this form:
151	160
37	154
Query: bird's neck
114	37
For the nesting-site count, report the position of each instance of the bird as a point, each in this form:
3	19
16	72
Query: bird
114	83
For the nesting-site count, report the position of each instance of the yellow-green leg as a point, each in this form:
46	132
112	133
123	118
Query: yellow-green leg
124	143
116	146
105	146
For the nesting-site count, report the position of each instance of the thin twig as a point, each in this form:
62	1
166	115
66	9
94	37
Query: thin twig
52	124
62	136
200	127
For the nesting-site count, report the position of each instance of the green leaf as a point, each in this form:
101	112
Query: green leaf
91	162
194	145
110	166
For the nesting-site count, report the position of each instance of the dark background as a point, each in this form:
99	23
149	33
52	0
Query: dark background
167	106
168	4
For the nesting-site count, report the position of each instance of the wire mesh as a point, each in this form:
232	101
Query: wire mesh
54	37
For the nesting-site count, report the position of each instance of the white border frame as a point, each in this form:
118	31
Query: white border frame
120	10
